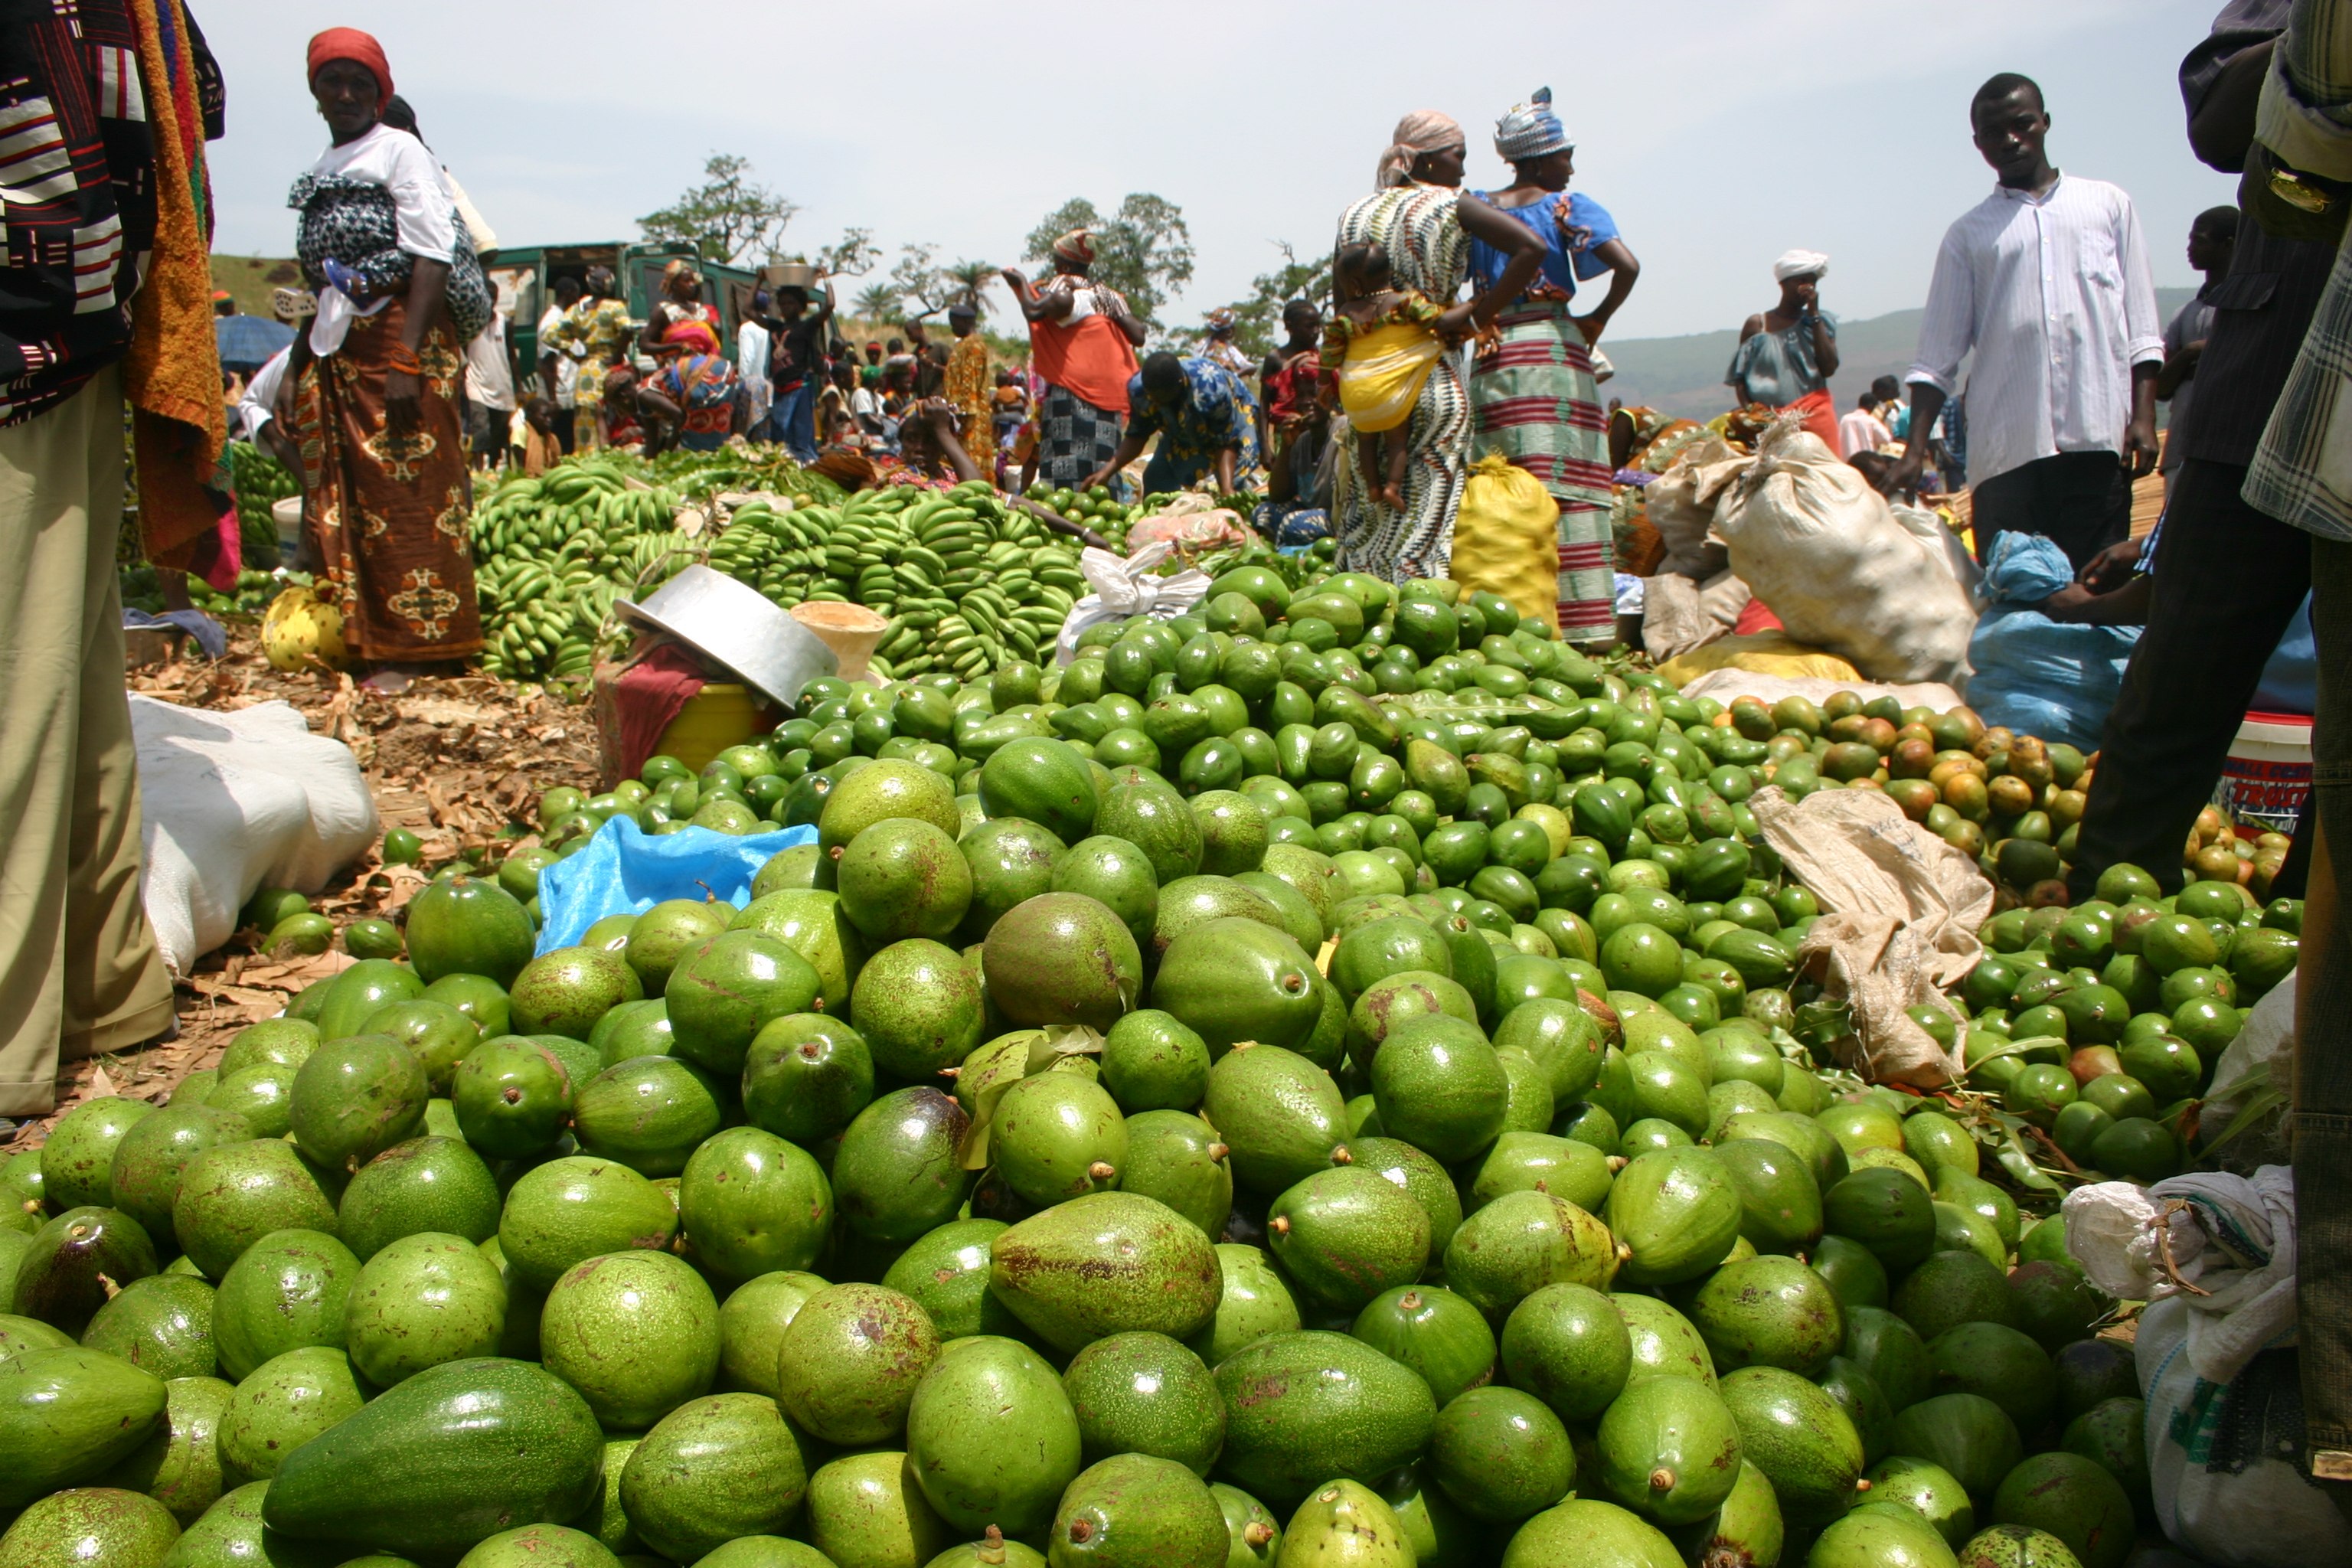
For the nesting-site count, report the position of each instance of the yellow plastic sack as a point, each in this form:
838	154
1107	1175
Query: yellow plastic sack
1507	539
1758	653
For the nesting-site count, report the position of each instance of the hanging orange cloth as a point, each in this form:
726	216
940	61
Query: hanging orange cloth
172	377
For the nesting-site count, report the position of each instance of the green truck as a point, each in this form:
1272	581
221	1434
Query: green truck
524	276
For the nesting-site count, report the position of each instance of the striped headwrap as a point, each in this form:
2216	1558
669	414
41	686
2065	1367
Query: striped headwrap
1530	130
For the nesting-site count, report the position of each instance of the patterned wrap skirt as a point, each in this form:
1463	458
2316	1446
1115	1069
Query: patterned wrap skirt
1077	438
1536	403
387	512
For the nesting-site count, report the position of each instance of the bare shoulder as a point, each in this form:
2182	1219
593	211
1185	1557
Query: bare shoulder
1753	325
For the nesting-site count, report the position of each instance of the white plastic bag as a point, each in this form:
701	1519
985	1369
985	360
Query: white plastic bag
230	802
1819	546
1125	587
2254	1072
2214	1255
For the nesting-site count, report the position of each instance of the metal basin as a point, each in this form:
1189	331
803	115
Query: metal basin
737	627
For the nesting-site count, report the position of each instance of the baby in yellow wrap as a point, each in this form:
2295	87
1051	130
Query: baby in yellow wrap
1378	350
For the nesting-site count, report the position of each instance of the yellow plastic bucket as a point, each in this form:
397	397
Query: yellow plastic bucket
722	714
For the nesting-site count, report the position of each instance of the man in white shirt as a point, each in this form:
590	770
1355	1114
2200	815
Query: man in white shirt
753	349
559	374
2046	281
490	391
1861	430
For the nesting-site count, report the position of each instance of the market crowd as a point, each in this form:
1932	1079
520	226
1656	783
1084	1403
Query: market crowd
1462	326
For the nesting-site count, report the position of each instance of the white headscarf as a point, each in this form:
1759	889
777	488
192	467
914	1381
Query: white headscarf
1423	131
1799	264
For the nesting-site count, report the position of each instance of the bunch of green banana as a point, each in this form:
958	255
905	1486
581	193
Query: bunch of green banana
966	582
551	554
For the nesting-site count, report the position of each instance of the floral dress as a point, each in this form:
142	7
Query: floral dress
594	332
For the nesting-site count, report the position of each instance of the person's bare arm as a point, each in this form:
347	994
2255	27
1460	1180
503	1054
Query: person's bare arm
1124	315
1128	450
428	284
938	421
2140	445
2076	605
2177	368
1624	271
1036	304
1228	459
1927	408
1514	240
1055	520
1825	352
547	372
2222	127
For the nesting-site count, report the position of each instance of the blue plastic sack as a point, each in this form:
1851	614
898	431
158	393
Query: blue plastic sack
625	870
2034	675
2291	679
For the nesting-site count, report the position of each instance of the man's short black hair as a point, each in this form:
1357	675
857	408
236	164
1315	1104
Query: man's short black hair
1999	87
2221	223
1886	389
1162	371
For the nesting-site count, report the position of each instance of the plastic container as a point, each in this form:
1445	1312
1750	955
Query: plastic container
852	631
287	514
720	715
2267	777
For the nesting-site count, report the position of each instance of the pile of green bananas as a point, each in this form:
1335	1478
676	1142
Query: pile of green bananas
259	479
967	582
551	555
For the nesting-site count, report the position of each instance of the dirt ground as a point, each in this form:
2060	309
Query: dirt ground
457	760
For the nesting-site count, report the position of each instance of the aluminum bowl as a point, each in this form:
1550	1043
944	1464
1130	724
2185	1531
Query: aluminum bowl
737	627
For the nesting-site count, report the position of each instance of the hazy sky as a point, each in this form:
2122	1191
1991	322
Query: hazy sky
1720	135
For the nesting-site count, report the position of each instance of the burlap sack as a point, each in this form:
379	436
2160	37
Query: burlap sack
1900	912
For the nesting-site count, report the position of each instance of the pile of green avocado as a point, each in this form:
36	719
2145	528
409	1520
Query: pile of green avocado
1314	1084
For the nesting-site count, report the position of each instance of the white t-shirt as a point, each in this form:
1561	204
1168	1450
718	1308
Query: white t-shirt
423	211
489	378
567	369
258	407
398	161
1861	431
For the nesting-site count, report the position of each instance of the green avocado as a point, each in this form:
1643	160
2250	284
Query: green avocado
712	1470
289	1290
453	1455
1135	1510
67	1415
992	1437
421	1301
1308	1408
1104	1264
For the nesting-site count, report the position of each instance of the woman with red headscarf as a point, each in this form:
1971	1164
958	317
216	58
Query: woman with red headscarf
1082	340
378	377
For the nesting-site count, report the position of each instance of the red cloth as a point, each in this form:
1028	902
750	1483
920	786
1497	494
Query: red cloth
1755	618
649	696
1092	358
1821	415
360	49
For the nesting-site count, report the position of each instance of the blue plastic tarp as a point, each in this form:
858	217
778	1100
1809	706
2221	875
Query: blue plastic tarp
625	870
2034	675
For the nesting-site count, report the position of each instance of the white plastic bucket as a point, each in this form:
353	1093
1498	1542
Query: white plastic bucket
2267	775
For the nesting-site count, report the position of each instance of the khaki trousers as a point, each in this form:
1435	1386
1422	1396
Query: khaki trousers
79	971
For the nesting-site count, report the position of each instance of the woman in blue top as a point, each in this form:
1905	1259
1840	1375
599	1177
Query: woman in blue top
1532	393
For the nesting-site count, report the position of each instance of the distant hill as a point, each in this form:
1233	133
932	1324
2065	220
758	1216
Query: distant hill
1684	376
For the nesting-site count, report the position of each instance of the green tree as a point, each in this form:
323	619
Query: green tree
1258	316
919	280
971	279
1144	250
732	216
877	304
